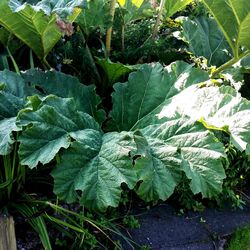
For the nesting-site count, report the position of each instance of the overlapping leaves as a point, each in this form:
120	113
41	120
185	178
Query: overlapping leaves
160	152
172	140
50	128
173	6
62	85
147	88
206	39
176	146
166	117
32	26
233	18
101	163
63	8
217	108
12	98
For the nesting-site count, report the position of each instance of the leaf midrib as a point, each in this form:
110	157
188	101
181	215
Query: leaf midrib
27	19
221	27
166	98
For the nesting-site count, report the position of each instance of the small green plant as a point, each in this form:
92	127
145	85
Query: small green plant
240	239
238	176
131	222
145	247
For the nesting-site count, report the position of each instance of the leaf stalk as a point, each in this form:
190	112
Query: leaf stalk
110	29
229	64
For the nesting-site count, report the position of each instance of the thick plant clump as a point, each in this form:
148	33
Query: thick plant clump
164	122
173	125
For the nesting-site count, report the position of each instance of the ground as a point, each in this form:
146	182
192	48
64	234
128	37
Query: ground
161	228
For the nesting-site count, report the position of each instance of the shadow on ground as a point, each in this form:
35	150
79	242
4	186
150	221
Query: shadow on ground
162	229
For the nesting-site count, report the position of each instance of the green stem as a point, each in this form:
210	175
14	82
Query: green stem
32	66
13	61
5	62
109	30
46	64
123	37
229	63
21	176
14	159
58	159
158	20
91	59
8	173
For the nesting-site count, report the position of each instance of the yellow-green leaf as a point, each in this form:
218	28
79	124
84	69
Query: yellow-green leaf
32	27
233	18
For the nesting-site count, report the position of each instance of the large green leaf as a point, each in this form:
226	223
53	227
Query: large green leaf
173	6
206	39
114	71
148	88
49	128
101	163
62	85
133	10
8	40
217	108
174	124
172	144
126	3
7	126
169	116
32	27
246	63
179	145
12	99
95	16
4	35
233	18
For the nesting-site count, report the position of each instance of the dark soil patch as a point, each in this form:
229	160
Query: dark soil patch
161	228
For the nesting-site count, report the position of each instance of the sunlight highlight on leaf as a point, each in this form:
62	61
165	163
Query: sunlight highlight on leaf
137	3
121	2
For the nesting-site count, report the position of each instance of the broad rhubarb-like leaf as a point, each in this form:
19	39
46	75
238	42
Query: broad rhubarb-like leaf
12	98
31	26
233	18
179	145
66	86
96	165
173	6
148	88
217	108
49	128
174	116
114	71
206	39
97	15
